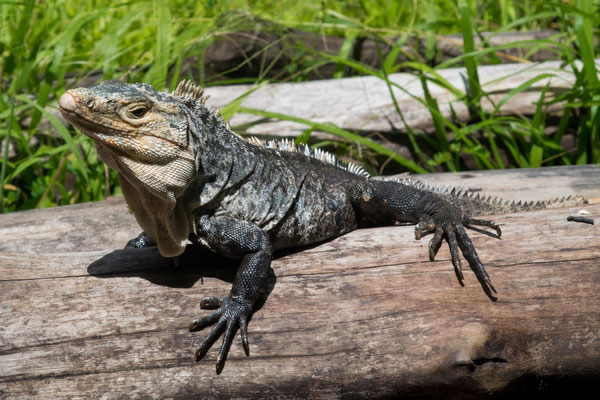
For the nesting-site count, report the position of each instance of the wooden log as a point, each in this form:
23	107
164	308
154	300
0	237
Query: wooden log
364	103
364	315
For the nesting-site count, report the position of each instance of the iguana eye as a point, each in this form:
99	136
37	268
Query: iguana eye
90	103
137	112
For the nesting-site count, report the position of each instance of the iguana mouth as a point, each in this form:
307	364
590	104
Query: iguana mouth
82	124
68	107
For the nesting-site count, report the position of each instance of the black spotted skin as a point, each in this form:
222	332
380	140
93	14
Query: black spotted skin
141	241
327	202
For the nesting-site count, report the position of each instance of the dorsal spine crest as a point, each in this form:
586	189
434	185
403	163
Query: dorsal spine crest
187	90
190	91
485	205
317	153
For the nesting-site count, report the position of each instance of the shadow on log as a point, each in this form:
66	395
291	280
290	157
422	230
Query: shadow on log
182	272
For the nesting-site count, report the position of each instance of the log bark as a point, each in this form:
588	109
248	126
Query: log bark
364	315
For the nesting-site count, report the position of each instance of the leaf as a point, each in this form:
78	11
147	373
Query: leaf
157	75
521	88
304	136
230	109
65	39
585	40
535	156
474	88
109	45
389	64
344	53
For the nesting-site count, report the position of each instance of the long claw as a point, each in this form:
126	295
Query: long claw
210	339
455	254
483	222
244	334
435	243
448	221
227	340
475	263
201	323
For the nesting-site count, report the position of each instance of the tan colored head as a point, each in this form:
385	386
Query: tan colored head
143	134
133	119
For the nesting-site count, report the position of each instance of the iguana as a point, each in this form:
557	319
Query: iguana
187	177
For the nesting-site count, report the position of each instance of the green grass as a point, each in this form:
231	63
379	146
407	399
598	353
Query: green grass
48	46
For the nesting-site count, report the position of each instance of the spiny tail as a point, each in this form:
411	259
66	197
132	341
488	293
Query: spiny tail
475	204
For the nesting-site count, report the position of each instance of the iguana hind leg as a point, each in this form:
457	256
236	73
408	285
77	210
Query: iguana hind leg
375	201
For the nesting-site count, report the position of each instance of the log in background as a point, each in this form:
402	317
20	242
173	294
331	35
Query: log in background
364	315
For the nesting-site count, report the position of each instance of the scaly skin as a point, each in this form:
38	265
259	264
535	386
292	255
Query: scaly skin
185	174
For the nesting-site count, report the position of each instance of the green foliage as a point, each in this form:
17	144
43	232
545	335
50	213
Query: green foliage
48	46
487	134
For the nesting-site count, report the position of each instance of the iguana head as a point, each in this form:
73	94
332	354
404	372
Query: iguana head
131	123
145	136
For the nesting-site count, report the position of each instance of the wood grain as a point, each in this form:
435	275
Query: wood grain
364	315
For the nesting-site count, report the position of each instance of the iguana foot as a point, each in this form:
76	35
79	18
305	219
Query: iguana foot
231	314
449	223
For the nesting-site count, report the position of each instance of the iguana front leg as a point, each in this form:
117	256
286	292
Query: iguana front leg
240	240
380	200
141	241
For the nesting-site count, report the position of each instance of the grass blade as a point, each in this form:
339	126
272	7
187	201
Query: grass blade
160	65
585	40
230	109
519	89
20	34
430	41
344	53
108	47
64	42
411	136
5	155
474	88
438	123
64	133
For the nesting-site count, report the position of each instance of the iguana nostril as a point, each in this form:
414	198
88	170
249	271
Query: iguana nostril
67	102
